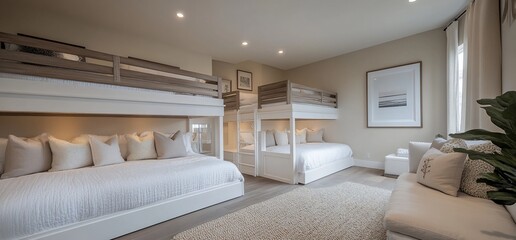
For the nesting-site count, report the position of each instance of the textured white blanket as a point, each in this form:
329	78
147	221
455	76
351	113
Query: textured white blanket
40	202
314	155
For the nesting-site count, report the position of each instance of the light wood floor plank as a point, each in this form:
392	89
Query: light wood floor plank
257	189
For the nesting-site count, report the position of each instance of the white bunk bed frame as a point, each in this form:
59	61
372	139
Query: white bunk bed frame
40	89
280	166
245	160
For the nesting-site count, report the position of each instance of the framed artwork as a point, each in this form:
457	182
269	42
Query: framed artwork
226	85
244	80
394	96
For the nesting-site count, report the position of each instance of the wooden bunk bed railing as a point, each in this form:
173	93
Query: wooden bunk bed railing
231	100
97	67
289	92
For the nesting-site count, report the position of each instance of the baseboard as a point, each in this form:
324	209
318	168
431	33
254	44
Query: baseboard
369	164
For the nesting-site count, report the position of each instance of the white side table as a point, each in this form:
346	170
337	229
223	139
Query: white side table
395	165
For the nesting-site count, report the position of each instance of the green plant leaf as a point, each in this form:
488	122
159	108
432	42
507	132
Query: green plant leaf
502	197
499	139
498	119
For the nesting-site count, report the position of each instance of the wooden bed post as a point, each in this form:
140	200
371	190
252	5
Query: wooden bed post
293	147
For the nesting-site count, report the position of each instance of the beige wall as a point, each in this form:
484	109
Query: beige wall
68	127
262	74
19	17
346	74
509	49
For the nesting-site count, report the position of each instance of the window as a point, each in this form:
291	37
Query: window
460	84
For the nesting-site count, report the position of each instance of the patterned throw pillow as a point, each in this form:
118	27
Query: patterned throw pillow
453	143
473	169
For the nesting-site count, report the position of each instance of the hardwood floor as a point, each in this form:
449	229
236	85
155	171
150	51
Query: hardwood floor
258	189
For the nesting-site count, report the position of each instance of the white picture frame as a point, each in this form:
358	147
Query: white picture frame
394	96
226	85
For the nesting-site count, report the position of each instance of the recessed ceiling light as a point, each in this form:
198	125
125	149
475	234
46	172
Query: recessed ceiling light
244	43
180	15
280	52
411	0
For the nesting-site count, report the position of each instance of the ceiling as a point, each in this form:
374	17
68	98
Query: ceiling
307	30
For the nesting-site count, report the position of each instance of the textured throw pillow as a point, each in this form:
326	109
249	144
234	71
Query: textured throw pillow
25	156
449	145
441	171
66	155
3	145
105	152
281	138
246	138
315	135
170	146
140	147
473	169
269	138
301	135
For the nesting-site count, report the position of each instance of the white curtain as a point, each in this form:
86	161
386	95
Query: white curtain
455	108
482	53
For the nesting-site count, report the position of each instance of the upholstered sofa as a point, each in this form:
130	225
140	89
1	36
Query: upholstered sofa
418	212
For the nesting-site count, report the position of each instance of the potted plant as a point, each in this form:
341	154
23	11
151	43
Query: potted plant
502	111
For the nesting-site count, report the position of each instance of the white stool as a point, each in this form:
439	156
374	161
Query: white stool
395	165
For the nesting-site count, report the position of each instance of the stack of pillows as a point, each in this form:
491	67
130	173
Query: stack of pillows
447	171
281	138
24	156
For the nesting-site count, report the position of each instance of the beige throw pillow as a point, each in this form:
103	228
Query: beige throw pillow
512	211
25	156
170	146
473	169
441	171
315	135
105	152
66	155
140	147
3	146
438	143
122	142
301	135
281	138
269	138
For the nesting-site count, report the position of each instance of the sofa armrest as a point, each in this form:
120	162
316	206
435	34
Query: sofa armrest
416	152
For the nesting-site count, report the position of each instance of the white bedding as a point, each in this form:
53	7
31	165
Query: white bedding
313	155
40	202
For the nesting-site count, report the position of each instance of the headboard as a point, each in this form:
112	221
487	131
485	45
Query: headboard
58	60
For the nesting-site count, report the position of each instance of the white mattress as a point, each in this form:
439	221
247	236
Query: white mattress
40	202
313	155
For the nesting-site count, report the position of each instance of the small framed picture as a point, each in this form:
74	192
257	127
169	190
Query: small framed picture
244	80
226	85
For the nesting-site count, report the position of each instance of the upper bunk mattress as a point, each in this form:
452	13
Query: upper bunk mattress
313	155
43	201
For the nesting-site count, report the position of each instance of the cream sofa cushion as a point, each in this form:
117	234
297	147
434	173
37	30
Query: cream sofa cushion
419	212
416	152
441	171
512	211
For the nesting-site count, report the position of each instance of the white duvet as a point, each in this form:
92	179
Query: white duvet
313	155
39	202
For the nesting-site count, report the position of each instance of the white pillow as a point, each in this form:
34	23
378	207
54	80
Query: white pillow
315	135
140	147
187	137
512	211
301	135
246	138
25	156
269	138
3	145
66	155
122	142
441	171
281	138
105	152
170	146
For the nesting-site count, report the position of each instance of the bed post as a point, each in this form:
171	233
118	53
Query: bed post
261	145
293	147
219	137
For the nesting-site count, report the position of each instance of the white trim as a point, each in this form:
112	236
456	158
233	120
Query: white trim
19	93
298	111
120	223
369	164
323	171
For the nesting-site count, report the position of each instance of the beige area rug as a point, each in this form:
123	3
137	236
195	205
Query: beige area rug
345	211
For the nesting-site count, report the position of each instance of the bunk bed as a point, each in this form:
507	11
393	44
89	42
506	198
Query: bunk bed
59	79
240	130
292	163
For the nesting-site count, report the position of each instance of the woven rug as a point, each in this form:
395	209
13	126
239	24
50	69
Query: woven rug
345	211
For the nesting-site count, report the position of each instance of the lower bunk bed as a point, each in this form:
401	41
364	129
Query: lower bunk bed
312	161
110	201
